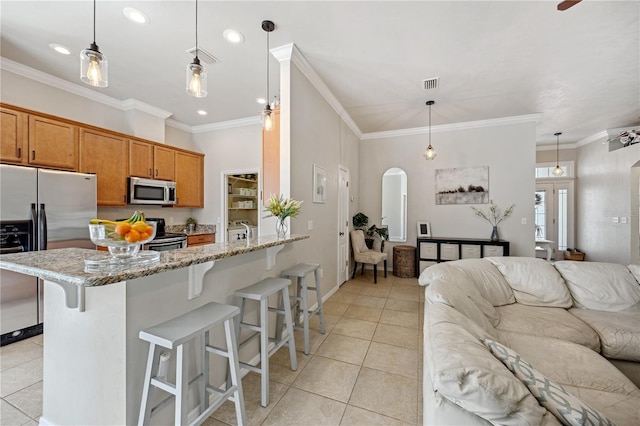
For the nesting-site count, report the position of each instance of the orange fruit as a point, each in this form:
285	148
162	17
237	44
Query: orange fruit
149	229
132	236
144	236
123	229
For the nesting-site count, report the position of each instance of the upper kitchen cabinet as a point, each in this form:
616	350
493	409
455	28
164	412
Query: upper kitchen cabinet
140	159
163	163
52	143
189	173
13	136
105	155
271	159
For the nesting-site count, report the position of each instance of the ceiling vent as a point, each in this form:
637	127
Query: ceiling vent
431	83
203	55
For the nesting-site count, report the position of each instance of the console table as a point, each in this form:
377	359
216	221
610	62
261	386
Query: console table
434	250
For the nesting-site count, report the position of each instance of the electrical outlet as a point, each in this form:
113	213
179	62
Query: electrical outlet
524	220
310	225
623	220
170	220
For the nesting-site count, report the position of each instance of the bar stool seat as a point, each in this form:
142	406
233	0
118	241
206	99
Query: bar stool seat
260	292
301	301
175	334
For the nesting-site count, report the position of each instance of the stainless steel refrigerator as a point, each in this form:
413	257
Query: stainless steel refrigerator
39	210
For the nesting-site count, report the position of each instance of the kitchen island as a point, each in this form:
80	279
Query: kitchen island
93	360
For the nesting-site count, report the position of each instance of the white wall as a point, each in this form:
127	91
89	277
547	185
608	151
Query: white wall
508	150
318	136
604	191
238	148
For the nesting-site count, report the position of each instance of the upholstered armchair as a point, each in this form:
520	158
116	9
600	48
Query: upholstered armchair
362	254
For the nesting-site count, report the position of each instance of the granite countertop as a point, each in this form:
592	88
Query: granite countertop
67	265
200	229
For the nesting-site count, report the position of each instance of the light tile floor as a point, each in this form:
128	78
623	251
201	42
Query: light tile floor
365	370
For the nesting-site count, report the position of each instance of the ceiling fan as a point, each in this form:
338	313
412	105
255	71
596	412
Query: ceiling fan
566	4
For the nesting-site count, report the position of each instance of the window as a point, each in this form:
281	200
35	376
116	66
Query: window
545	170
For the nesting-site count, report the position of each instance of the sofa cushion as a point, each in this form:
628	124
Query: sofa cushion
437	271
568	408
547	322
456	294
570	364
635	271
463	370
600	286
534	281
619	331
487	279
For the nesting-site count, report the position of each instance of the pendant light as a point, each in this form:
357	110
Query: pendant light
558	170
93	64
267	114
196	73
429	153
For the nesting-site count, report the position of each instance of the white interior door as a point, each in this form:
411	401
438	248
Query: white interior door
343	225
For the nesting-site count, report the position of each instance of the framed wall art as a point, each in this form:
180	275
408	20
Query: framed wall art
424	229
462	185
319	184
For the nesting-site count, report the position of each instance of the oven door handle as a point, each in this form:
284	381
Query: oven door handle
7	250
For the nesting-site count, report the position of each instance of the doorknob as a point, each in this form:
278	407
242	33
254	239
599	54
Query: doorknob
341	234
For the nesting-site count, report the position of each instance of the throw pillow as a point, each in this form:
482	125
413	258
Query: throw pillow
568	408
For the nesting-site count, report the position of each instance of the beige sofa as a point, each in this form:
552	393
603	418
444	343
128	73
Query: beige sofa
514	340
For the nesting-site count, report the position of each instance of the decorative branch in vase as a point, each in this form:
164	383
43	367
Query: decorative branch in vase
494	217
282	208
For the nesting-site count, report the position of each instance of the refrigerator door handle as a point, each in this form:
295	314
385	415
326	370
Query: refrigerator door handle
42	232
33	243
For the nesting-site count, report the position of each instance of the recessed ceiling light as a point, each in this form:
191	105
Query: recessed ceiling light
134	15
261	101
202	112
233	36
60	48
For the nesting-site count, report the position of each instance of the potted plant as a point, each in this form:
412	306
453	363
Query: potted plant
361	221
191	224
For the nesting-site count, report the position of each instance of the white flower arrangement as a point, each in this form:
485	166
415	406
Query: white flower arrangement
493	216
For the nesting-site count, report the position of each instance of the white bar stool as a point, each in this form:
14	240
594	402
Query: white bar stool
261	291
174	334
301	303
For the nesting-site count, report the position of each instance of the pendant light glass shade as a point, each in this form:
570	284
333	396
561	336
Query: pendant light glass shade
558	170
196	79
267	113
429	153
94	68
196	72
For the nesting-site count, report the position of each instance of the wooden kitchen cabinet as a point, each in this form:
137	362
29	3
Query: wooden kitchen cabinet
201	239
189	175
163	163
271	159
140	159
105	155
13	136
52	143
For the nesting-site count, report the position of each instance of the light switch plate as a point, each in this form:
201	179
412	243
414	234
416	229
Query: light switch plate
616	220
623	220
310	225
524	220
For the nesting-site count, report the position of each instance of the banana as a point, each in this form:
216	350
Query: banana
102	222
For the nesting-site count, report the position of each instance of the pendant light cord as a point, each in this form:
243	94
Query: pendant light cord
429	125
94	21
267	68
196	28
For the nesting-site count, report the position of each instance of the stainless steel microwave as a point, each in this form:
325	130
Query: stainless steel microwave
151	191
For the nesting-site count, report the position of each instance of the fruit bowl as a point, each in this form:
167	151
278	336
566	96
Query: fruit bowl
121	245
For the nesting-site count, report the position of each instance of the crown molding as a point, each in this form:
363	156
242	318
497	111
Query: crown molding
563	146
80	90
178	125
291	52
241	122
131	103
50	80
454	126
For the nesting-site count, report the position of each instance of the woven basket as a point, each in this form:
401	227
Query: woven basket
404	261
569	255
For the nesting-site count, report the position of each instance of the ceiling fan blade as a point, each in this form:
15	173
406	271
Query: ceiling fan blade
567	4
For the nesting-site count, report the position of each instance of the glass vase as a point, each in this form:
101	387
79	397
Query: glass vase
281	228
494	234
